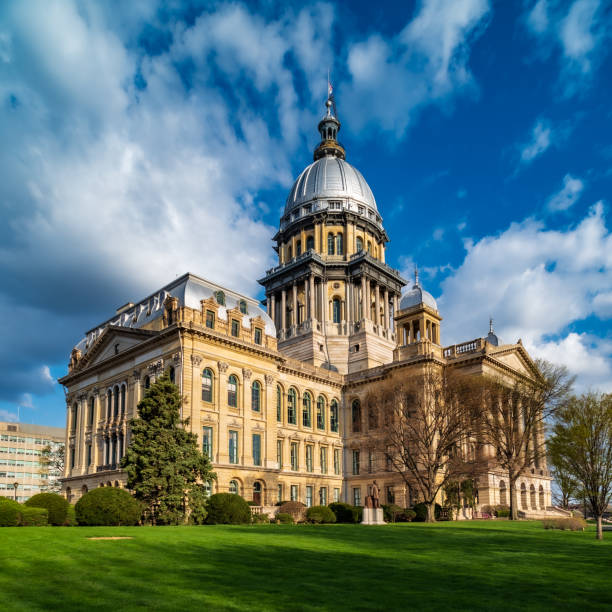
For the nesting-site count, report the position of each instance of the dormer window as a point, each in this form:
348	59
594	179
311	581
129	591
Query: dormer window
258	335
210	319
220	297
243	307
235	328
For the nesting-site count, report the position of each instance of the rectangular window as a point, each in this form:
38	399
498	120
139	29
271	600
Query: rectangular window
323	496
207	442
337	461
355	463
308	496
390	495
294	493
279	454
210	319
336	495
88	455
294	456
279	404
309	458
233	447
72	457
370	461
256	449
257	335
356	496
207	389
235	328
279	493
324	460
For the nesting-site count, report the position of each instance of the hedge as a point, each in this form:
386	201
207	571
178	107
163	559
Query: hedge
345	513
10	512
56	505
108	506
285	518
320	514
33	517
227	509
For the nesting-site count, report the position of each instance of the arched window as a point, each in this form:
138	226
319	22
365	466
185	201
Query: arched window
292	407
220	297
369	247
330	244
309	243
333	416
359	244
207	489
233	487
279	403
532	495
339	245
207	385
123	392
91	411
336	314
256	396
232	391
298	248
171	373
109	404
257	488
243	307
321	412
542	503
503	500
147	382
356	415
116	401
307	410
372	416
523	496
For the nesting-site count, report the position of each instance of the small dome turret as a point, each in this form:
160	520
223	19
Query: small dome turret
417	295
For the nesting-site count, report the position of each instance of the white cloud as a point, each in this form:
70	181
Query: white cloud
427	62
5	415
536	282
579	30
568	195
438	233
25	401
540	140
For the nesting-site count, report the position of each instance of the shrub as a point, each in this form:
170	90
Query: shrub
260	518
33	517
406	516
345	513
320	514
10	512
569	524
54	503
71	517
502	511
285	518
227	509
296	509
420	511
108	506
391	512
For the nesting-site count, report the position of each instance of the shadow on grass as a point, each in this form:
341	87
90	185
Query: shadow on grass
341	567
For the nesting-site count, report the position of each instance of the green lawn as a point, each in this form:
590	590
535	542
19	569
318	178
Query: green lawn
460	566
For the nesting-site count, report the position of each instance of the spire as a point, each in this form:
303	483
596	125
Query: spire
491	325
416	276
329	127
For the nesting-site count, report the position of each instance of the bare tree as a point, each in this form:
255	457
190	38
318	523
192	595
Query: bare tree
52	459
582	442
512	417
567	486
424	429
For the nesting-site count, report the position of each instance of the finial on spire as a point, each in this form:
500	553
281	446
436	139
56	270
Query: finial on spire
329	127
416	275
491	325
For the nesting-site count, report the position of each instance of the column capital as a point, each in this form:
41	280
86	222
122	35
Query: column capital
269	379
246	373
196	360
222	365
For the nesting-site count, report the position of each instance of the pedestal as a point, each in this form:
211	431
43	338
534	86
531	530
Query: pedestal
373	516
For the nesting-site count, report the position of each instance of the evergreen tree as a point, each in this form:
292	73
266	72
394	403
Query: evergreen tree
164	465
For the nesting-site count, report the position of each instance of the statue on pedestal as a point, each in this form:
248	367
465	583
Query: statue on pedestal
372	512
373	499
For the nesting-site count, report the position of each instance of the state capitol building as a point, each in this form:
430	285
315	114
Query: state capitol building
277	394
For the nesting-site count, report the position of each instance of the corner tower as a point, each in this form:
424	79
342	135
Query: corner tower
332	296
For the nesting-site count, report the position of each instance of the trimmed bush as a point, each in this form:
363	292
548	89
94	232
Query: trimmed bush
260	518
420	511
320	514
296	509
345	513
10	512
285	518
71	517
502	511
108	506
33	517
569	524
56	505
406	516
227	509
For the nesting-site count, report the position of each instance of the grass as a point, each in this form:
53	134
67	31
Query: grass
458	566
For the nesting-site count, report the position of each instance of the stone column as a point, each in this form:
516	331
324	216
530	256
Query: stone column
364	312
247	413
80	434
268	449
377	304
196	396
386	308
283	311
94	428
295	305
222	441
311	297
273	308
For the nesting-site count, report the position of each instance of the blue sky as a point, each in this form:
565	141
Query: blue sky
142	140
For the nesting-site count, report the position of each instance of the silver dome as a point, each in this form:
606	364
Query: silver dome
331	178
416	296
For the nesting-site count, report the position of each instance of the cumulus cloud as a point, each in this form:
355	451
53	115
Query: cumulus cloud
536	282
427	62
579	30
567	196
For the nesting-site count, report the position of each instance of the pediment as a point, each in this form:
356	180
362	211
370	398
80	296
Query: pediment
516	358
113	341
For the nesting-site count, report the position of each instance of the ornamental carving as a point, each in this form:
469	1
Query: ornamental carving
246	373
269	379
156	366
222	366
196	360
95	391
176	357
136	375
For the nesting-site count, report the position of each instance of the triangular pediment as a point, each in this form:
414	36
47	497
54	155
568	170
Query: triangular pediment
515	357
113	341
